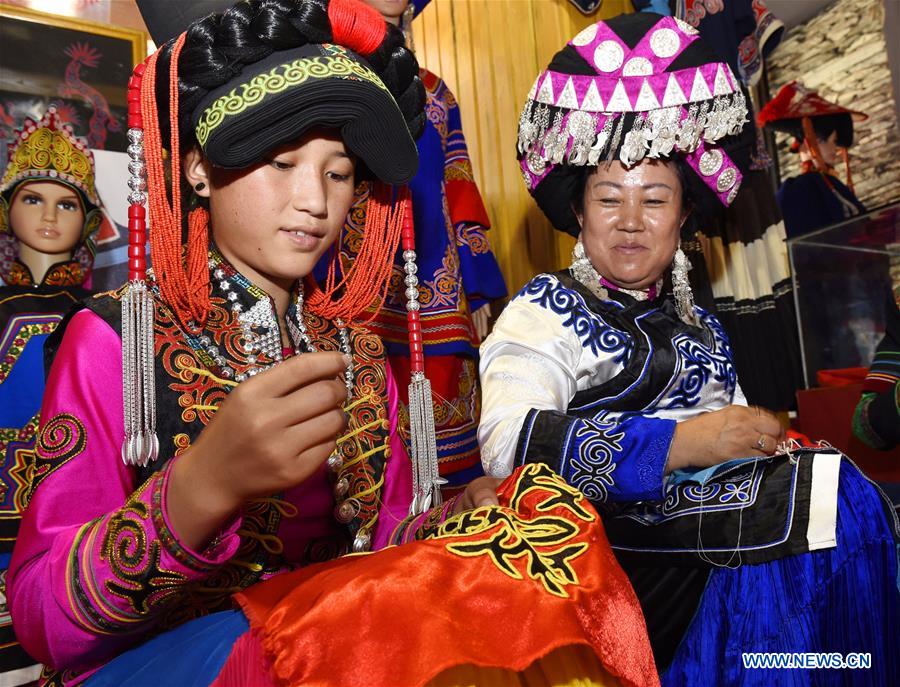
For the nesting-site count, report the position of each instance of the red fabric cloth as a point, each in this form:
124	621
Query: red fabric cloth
841	377
465	203
246	659
496	587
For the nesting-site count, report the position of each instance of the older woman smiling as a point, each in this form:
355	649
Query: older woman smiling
610	374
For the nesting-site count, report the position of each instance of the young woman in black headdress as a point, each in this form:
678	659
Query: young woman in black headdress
256	432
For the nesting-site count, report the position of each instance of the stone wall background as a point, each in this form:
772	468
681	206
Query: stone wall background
842	54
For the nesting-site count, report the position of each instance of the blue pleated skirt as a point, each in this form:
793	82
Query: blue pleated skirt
842	600
190	655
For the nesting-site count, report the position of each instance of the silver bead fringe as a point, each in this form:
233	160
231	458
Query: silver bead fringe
426	478
141	445
653	134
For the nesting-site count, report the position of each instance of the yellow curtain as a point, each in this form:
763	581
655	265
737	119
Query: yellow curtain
489	52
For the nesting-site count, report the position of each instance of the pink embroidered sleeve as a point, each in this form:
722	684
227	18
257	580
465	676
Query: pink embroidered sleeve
96	560
397	493
395	525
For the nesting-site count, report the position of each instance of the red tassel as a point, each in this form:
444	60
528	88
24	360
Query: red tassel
846	155
812	143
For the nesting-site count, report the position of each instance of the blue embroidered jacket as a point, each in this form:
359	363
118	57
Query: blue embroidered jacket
594	387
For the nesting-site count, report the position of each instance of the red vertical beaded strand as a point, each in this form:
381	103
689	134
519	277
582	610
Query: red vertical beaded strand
408	242
137	222
141	445
426	480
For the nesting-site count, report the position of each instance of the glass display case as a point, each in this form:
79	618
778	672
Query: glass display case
843	276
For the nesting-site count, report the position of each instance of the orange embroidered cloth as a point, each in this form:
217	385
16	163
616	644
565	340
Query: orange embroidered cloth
496	587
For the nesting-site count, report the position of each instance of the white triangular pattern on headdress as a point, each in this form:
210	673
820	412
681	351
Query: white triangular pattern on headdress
534	86
567	98
733	78
721	85
673	94
545	93
592	101
619	102
646	99
699	91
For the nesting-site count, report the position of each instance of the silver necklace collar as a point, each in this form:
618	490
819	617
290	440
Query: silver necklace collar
585	273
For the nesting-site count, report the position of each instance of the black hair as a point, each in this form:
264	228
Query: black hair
824	126
217	48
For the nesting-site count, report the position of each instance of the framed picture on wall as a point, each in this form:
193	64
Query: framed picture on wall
81	68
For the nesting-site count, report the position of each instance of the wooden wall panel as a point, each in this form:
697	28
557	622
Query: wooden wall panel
489	52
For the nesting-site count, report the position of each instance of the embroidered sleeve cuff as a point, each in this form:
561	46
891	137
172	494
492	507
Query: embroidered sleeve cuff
126	566
606	460
220	548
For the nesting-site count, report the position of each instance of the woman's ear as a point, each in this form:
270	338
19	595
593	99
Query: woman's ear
684	217
579	216
196	171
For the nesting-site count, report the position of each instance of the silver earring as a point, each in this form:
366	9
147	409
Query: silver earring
681	287
584	272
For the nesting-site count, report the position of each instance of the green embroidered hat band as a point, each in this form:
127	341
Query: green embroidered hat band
276	100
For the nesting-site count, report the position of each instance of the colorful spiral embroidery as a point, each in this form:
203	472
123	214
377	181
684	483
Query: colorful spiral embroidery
61	439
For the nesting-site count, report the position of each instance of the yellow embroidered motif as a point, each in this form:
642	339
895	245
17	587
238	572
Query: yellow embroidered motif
277	80
543	544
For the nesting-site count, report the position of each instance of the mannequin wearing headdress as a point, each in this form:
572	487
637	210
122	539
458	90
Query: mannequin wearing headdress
48	211
822	133
458	273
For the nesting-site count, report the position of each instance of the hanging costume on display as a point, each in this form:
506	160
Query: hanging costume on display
774	554
816	198
103	589
458	274
43	151
744	275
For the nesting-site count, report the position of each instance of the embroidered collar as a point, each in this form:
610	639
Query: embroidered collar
66	273
242	336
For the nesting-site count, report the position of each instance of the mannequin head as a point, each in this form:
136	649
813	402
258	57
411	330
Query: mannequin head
48	199
47	218
828	148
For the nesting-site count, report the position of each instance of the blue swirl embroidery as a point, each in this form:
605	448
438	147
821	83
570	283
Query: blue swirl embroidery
725	492
740	492
699	493
589	465
548	292
700	364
